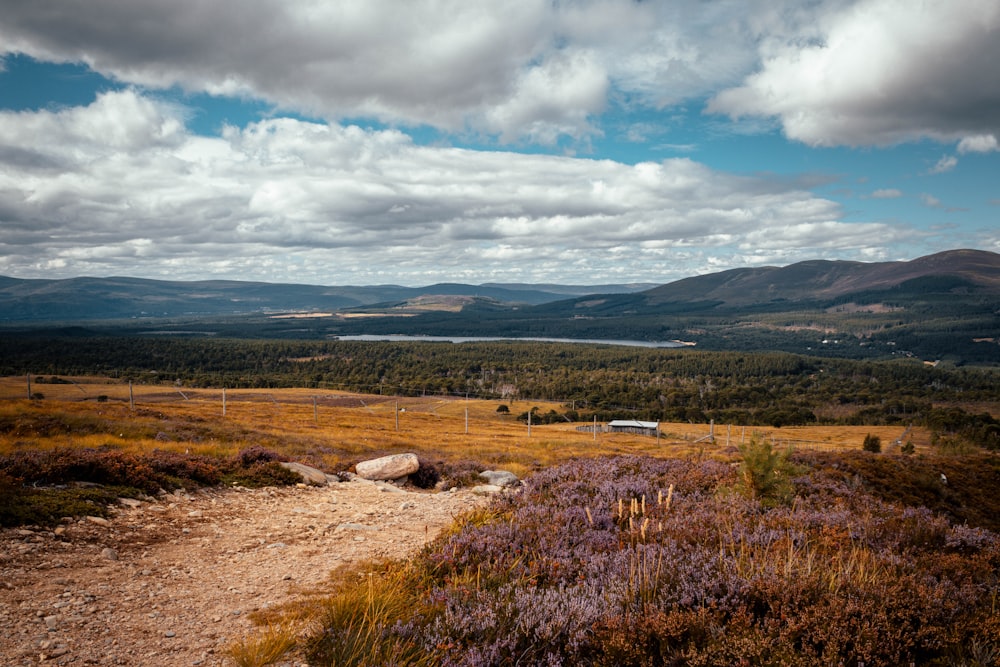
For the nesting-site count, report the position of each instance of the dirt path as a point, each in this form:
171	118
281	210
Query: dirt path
171	581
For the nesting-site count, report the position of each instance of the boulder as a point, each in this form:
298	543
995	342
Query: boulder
501	478
308	474
388	467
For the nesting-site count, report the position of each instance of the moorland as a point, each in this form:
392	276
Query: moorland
822	488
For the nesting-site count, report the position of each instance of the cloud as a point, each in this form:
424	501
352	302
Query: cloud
887	193
945	164
930	201
123	187
880	72
524	70
982	143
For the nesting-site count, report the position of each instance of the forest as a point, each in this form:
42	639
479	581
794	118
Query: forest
602	381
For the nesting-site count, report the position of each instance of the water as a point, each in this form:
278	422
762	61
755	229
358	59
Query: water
400	338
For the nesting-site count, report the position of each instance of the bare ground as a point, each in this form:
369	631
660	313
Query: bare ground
172	581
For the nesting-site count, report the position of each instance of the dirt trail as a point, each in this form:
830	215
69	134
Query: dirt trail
171	581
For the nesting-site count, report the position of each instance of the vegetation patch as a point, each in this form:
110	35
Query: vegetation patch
639	561
43	486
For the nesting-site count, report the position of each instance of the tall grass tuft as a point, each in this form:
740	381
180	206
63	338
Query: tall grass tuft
264	647
367	623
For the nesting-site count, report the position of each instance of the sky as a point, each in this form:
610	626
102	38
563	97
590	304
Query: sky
360	142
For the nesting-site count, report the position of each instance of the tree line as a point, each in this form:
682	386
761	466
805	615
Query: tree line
602	381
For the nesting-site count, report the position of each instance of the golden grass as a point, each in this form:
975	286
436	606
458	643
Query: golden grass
338	425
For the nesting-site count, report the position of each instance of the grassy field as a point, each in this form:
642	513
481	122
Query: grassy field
866	559
335	430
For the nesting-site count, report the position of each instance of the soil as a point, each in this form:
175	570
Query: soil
173	580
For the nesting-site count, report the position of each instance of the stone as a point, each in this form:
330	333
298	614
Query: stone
385	487
130	502
100	521
500	478
388	467
109	553
486	489
308	474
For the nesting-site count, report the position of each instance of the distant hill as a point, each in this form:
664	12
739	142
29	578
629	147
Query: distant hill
819	279
940	308
80	299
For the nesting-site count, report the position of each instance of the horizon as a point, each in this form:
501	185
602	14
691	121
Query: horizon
371	143
482	284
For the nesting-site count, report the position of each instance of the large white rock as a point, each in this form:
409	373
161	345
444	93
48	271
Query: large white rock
502	478
389	467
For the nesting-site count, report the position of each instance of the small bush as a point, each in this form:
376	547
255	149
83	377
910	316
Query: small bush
765	474
427	475
872	444
257	454
260	474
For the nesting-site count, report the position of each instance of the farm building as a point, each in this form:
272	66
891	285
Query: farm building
633	426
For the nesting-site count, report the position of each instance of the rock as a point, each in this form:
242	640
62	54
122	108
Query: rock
98	520
52	622
500	478
389	488
486	489
109	553
130	502
389	467
309	474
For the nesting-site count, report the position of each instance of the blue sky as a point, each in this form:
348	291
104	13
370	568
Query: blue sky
575	141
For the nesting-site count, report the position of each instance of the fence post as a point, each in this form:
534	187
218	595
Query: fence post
223	401
28	378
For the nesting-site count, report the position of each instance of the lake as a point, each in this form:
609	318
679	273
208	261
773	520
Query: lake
400	338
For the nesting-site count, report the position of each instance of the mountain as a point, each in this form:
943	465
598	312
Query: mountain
819	279
79	299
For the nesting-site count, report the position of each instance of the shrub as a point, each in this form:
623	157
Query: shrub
260	474
872	443
257	454
427	475
765	474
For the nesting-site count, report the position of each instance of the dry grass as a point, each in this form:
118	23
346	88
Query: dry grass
334	428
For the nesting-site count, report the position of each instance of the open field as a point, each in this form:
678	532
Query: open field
335	429
784	564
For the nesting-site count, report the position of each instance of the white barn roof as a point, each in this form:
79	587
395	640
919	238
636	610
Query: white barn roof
632	423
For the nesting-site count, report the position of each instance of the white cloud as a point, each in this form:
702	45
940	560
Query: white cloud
295	201
981	143
879	72
944	165
522	70
887	193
